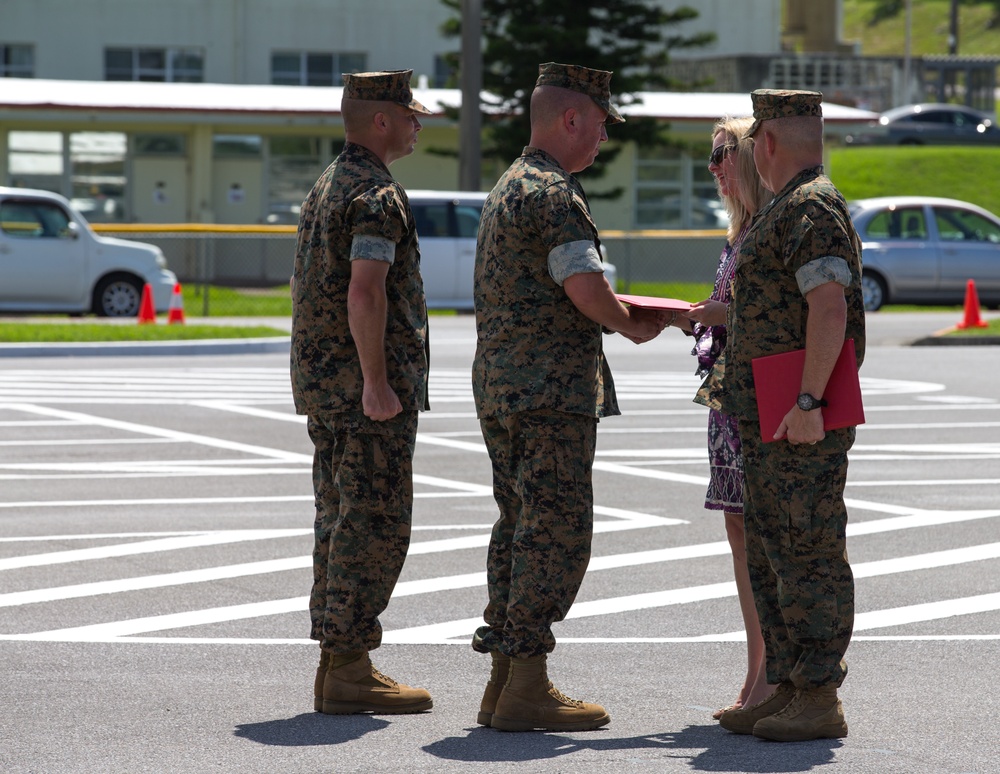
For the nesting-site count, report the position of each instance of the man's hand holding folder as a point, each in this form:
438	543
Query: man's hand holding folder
777	379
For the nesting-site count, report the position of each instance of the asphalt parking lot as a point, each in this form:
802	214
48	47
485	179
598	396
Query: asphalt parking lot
155	532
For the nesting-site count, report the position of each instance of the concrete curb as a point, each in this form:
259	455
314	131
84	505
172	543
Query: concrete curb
955	341
275	344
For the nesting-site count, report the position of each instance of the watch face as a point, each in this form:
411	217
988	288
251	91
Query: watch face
806	402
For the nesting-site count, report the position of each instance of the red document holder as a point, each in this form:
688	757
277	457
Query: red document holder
777	380
655	302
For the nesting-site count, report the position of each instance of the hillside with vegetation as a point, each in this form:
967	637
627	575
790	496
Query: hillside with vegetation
978	27
965	173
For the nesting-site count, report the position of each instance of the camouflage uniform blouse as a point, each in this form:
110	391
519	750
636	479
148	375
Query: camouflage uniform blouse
805	225
356	195
535	349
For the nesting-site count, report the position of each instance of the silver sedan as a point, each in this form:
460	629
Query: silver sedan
924	250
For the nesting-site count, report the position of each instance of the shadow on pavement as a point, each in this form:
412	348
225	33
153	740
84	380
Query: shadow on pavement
703	748
311	729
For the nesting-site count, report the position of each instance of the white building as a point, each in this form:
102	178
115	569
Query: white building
226	111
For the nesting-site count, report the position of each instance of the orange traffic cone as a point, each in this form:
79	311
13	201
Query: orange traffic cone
176	312
972	318
147	311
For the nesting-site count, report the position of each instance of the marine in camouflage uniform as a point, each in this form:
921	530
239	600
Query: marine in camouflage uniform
795	516
540	382
362	464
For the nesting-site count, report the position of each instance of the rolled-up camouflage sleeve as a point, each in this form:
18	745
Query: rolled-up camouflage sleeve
829	268
373	248
573	258
816	247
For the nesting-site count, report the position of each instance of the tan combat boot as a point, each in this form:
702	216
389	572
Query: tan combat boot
498	678
744	719
324	662
354	685
529	702
814	713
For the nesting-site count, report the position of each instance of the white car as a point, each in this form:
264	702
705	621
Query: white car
447	225
51	261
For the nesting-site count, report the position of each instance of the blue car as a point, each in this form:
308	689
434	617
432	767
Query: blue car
924	250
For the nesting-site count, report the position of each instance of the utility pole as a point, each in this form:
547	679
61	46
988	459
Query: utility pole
908	54
953	29
470	118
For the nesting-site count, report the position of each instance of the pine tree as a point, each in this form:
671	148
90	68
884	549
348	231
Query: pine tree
628	37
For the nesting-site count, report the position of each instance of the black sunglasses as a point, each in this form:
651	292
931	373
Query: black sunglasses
720	153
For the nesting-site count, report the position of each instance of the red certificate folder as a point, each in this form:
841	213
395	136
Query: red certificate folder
777	380
655	302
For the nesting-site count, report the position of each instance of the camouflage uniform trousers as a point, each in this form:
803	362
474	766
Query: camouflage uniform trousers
363	483
796	538
540	546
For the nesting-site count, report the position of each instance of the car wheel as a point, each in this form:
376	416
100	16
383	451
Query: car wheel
118	296
873	291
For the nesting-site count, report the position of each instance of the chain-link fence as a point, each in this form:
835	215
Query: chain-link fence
217	264
225	270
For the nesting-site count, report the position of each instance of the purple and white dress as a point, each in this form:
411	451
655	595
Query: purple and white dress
725	487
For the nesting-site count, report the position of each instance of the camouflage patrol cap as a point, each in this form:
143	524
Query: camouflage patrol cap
775	103
596	84
385	86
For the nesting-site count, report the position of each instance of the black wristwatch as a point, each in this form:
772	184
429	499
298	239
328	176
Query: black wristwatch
807	402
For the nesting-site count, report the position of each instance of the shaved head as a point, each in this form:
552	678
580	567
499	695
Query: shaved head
798	134
359	113
550	103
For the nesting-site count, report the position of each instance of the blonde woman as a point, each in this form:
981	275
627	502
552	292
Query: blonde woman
743	194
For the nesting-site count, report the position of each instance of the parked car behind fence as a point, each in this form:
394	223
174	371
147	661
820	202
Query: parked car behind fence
51	261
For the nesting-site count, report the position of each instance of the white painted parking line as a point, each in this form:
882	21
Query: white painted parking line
160	432
271	385
256	393
147	547
440	632
443	632
165	580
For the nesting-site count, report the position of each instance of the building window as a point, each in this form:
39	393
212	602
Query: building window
304	68
294	164
35	160
674	190
159	145
236	146
445	74
17	61
154	64
97	175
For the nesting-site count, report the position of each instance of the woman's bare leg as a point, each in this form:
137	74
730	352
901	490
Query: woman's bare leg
755	687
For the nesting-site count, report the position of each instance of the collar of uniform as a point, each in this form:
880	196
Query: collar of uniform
530	151
810	173
360	151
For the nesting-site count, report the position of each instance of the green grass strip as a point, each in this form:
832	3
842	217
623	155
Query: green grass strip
88	332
